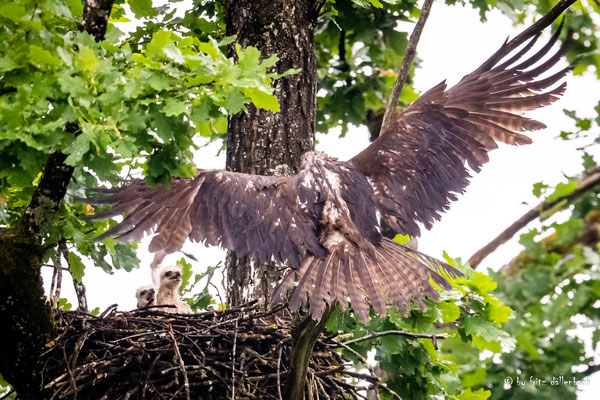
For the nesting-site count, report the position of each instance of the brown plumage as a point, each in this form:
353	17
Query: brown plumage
324	221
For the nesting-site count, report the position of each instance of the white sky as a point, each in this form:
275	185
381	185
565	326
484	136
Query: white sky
453	43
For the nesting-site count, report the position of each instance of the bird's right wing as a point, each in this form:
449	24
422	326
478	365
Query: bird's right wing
417	166
249	214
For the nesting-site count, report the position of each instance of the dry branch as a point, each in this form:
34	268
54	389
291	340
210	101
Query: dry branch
585	184
409	55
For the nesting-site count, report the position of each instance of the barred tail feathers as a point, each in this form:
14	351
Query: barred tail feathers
392	274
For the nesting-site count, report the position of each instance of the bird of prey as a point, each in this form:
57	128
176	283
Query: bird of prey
168	291
325	221
145	296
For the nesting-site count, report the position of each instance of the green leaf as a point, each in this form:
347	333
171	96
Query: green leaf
76	7
486	335
533	248
498	312
479	394
42	58
124	257
174	107
12	11
249	58
450	311
262	99
482	283
142	8
539	188
159	82
568	230
234	101
77	148
7	64
562	189
408	95
475	378
159	40
64	304
588	161
186	274
86	59
402	239
76	266
73	85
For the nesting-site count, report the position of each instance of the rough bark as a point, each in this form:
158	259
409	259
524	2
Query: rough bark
25	314
265	142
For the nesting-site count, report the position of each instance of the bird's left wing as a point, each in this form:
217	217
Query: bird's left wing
418	165
249	214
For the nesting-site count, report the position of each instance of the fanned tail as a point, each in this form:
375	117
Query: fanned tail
391	274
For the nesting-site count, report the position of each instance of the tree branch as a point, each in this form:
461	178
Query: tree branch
365	364
432	336
305	336
592	369
587	183
57	175
409	55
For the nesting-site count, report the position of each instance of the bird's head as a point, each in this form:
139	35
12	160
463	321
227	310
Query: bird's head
170	277
145	296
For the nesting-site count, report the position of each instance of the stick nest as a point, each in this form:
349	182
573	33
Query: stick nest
148	354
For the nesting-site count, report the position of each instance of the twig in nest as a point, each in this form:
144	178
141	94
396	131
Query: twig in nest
279	373
186	382
233	361
140	354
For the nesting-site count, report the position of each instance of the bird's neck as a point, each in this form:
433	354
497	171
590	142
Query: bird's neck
168	292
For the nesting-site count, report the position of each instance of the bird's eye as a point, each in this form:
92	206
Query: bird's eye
168	273
144	292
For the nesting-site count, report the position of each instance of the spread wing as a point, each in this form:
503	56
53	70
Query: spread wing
249	214
418	165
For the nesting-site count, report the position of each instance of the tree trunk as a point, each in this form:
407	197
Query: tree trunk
265	142
25	316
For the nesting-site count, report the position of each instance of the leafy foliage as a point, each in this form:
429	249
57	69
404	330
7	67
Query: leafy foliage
415	369
142	101
198	300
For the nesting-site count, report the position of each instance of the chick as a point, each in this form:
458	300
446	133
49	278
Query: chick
168	291
145	296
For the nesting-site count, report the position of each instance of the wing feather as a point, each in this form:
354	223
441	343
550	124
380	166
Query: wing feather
250	214
418	164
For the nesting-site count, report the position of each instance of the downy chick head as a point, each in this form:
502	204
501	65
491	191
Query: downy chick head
170	278
145	296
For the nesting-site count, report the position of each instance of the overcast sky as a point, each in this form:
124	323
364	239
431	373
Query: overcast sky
453	43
